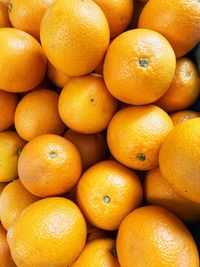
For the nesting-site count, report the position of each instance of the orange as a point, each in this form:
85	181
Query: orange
178	21
135	135
22	61
5	256
57	77
75	36
157	191
100	252
153	237
11	146
37	114
139	66
184	115
50	232
85	105
92	147
180	159
8	103
107	192
184	89
49	165
4	18
14	199
118	14
27	15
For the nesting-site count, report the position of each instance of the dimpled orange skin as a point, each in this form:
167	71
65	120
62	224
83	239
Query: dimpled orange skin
184	89
118	14
92	147
27	15
184	115
157	191
4	19
85	105
37	114
57	77
5	256
178	21
22	61
179	159
75	35
8	103
10	147
107	192
49	165
100	252
14	199
139	66
50	232
153	237
135	135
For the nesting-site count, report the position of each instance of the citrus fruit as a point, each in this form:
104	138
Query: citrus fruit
5	256
118	14
22	61
8	103
27	15
49	232
139	66
180	159
178	21
92	147
85	105
153	237
100	252
57	77
13	200
184	89
11	146
135	135
75	36
37	114
157	191
49	165
107	192
183	115
4	18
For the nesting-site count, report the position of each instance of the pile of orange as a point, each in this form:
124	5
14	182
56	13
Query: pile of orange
99	145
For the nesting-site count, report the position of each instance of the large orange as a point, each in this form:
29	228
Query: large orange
139	66
92	147
135	135
11	146
180	159
8	103
37	114
85	105
98	253
178	21
157	191
153	237
27	15
5	256
118	14
57	77
75	36
4	18
183	115
107	192
184	89
50	232
49	165
14	199
22	61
